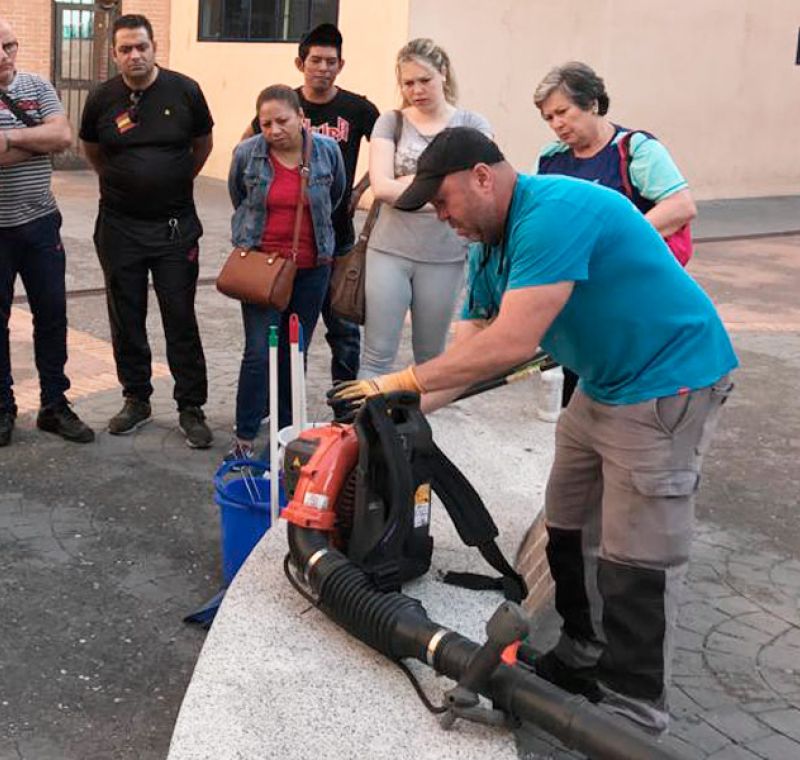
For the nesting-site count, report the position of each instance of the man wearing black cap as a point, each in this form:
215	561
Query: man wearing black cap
575	268
347	118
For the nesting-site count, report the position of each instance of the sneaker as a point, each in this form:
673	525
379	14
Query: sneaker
239	450
6	426
574	680
132	416
192	421
61	420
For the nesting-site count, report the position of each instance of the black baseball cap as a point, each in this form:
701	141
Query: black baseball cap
453	150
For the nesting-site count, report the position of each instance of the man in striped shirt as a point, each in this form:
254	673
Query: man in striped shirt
32	126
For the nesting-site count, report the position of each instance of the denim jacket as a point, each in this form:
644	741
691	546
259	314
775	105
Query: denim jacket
250	178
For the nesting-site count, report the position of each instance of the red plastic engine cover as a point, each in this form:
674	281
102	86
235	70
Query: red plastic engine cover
321	477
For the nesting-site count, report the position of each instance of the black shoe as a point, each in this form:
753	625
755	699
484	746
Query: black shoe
6	426
132	416
61	420
574	680
193	423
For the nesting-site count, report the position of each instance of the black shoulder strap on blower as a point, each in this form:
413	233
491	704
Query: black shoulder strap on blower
475	527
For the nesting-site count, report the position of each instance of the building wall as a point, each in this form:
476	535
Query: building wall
158	12
32	21
715	80
232	74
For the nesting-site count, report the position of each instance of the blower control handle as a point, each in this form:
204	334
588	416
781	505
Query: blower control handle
507	625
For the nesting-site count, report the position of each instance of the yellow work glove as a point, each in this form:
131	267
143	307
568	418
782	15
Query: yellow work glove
350	395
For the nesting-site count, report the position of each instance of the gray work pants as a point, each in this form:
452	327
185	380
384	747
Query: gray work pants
619	511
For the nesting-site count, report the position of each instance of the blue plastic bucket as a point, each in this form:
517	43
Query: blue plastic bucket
245	514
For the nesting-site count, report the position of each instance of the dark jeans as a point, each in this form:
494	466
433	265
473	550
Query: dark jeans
344	338
35	252
310	287
174	269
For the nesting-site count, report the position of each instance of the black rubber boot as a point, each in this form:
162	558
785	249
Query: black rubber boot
565	557
634	623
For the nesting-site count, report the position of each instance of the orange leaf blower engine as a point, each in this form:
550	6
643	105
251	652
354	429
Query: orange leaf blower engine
368	485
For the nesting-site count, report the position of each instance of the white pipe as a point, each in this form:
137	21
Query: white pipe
273	426
303	421
296	371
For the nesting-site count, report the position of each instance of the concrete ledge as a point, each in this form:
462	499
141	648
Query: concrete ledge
278	679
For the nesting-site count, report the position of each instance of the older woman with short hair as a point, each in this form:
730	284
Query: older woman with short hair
573	101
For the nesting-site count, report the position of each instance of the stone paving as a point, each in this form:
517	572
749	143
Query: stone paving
736	677
104	547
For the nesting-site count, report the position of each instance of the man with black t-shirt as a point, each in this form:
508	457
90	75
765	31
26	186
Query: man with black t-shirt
346	117
147	133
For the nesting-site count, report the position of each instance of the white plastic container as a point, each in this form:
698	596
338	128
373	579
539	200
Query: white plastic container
551	384
287	434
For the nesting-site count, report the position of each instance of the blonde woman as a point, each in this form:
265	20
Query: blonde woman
414	261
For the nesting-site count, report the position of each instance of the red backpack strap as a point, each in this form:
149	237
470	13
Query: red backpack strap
624	148
625	158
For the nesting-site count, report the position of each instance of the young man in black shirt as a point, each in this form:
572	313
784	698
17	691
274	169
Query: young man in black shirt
147	133
346	117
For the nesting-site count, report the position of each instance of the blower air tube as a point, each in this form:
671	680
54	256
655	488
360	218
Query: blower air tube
399	627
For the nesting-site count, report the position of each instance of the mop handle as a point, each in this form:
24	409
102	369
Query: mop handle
302	381
273	424
296	371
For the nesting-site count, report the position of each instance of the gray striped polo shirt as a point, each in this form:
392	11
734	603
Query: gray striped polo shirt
25	192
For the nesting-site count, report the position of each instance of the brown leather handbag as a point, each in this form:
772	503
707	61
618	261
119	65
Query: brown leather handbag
266	279
349	275
348	300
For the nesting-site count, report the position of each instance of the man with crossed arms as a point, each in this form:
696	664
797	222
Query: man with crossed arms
32	126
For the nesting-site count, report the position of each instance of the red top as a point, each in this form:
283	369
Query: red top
281	209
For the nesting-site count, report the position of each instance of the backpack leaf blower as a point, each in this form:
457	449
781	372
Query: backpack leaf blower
359	507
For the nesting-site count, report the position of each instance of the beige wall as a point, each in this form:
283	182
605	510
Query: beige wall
31	20
232	74
158	13
715	79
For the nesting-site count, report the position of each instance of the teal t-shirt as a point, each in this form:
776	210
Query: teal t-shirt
636	325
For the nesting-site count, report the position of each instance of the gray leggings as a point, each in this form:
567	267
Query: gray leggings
393	285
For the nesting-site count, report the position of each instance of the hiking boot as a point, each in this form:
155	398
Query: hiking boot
60	419
574	680
132	416
6	426
192	421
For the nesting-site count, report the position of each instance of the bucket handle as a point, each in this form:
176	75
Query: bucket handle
226	467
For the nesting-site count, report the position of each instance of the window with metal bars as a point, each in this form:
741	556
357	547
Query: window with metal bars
262	20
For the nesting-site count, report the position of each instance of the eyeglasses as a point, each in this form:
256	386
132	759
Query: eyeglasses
133	111
9	48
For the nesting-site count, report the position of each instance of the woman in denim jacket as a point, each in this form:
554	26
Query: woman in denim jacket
264	182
